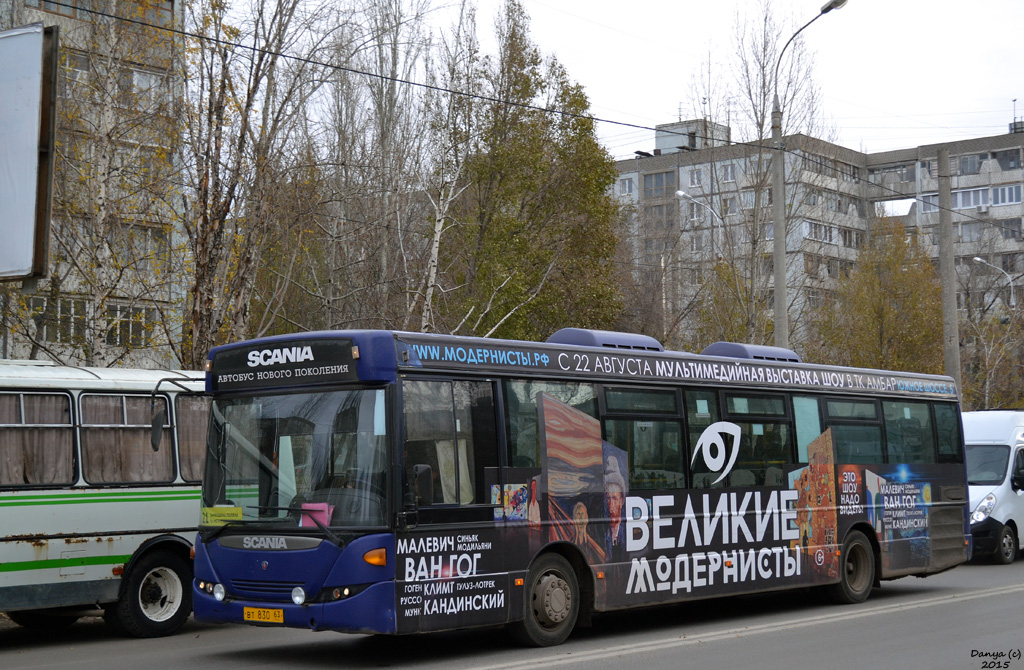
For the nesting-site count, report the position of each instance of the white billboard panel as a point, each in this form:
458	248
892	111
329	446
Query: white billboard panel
22	115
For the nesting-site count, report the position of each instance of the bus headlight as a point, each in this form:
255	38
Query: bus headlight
298	595
984	508
218	592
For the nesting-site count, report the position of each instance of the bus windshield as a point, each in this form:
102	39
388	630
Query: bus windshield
986	464
310	459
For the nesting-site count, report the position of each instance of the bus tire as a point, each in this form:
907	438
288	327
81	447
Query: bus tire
856	570
1006	548
41	619
157	596
551	603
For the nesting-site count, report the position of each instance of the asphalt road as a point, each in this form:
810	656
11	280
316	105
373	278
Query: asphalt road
970	617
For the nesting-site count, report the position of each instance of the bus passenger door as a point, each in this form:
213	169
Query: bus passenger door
450	572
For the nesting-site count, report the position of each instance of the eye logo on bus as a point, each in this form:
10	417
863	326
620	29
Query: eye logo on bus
712	447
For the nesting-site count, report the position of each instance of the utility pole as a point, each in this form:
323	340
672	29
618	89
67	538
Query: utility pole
947	273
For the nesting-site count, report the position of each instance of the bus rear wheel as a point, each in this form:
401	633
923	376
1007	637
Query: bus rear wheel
856	570
551	603
157	597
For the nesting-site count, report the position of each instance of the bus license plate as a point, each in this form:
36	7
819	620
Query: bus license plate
263	615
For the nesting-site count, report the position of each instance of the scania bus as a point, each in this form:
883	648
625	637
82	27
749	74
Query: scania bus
100	473
390	482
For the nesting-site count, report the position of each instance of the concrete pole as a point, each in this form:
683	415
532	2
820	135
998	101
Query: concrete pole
947	272
779	228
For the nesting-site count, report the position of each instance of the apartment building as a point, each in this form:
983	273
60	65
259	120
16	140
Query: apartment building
699	203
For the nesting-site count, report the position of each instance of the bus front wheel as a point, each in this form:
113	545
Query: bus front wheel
856	570
157	597
552	603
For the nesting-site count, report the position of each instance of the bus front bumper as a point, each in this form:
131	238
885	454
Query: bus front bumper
370	611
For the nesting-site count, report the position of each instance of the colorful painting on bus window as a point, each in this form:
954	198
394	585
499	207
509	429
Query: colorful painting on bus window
574	465
816	507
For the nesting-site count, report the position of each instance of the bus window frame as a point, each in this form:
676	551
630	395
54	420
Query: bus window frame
677	416
146	428
77	477
442	512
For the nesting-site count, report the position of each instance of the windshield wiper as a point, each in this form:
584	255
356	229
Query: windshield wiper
208	533
334	539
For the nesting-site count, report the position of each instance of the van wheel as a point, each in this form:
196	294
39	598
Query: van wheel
856	571
156	599
552	603
1006	550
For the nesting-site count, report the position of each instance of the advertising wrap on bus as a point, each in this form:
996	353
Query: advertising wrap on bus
439	352
650	547
423	483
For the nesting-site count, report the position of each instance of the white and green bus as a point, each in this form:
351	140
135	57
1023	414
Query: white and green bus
100	473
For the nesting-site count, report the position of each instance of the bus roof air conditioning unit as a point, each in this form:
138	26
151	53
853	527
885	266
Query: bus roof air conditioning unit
585	337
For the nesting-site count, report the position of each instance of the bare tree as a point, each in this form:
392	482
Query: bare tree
243	107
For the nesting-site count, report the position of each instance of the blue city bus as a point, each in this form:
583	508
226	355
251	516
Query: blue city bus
391	482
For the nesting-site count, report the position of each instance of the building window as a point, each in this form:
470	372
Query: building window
695	177
970	231
729	205
1010	262
970	164
626	186
129	326
971	198
814	230
63	323
852	239
74	83
729	172
696	211
1009	159
929	202
1010	229
658	217
65	7
659	184
1006	195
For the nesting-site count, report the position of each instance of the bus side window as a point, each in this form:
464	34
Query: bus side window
701	411
116	446
521	414
908	432
808	424
191	418
450	427
948	432
36	444
856	430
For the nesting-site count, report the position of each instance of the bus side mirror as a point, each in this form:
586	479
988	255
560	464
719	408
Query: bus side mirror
157	432
424	476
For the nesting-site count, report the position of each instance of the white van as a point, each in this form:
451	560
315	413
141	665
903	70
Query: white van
995	474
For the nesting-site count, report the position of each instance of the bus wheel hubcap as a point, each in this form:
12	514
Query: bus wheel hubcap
555	600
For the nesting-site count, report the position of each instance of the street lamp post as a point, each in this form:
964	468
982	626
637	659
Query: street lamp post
1009	281
779	195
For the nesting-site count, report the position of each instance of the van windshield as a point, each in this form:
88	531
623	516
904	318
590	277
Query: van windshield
986	464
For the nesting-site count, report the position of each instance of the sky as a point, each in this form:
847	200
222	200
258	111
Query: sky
893	73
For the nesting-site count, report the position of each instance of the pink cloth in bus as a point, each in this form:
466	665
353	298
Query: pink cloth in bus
322	512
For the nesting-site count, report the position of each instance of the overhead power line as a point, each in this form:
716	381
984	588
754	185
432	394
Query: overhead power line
479	96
